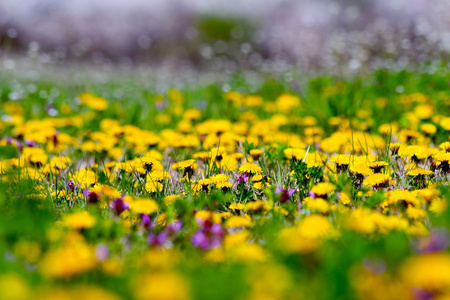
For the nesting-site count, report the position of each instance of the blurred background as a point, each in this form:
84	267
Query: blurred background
220	35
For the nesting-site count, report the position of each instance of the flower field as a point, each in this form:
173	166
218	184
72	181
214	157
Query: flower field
333	189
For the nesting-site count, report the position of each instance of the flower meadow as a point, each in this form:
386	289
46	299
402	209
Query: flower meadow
334	189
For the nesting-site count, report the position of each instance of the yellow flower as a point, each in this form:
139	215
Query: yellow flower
238	221
241	237
151	164
296	153
161	286
153	186
201	185
361	169
377	180
236	206
94	102
68	260
438	206
257	205
323	188
307	235
192	114
429	271
445	123
158	175
317	204
79	220
171	199
424	111
256	153
249	253
207	215
445	146
13	287
342	159
428	128
376	166
286	103
427	194
415	213
250	168
419	172
144	206
344	198
184	164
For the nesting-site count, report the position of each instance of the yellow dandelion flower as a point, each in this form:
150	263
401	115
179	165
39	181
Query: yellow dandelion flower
238	221
249	253
224	185
344	198
402	195
161	286
296	153
317	204
415	213
171	199
68	260
219	178
428	128
376	166
445	123
427	194
377	180
207	215
323	188
151	163
236	206
79	220
184	164
445	146
250	168
258	205
361	169
419	172
94	102
429	272
443	157
438	206
256	153
158	175
201	185
153	186
144	206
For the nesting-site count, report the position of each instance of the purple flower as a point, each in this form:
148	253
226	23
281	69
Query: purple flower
19	145
200	240
157	239
285	194
30	143
422	294
174	227
311	194
217	230
318	147
85	192
92	197
119	205
101	252
437	241
210	236
243	178
146	221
